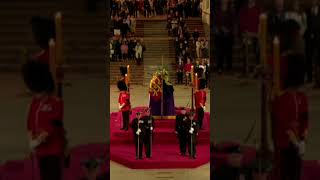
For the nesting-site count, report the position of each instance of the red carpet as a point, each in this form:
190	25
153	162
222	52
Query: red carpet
165	145
310	169
22	169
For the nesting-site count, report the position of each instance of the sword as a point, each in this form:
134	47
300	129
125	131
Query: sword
151	132
191	150
138	150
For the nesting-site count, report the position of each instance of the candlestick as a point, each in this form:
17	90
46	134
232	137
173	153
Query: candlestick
263	38
196	81
192	74
52	59
277	68
59	39
126	79
128	73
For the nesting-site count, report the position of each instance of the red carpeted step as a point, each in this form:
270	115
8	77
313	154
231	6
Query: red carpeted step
27	168
164	157
160	136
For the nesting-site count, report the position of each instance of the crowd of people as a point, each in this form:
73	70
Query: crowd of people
124	44
137	8
190	48
240	20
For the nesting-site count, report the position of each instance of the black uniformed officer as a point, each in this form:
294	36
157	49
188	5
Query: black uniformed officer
148	127
193	127
138	133
182	131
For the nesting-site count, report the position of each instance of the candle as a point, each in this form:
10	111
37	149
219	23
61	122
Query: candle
196	82
126	79
128	73
276	60
52	58
263	38
192	74
59	39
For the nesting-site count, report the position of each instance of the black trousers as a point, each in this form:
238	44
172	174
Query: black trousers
191	143
224	51
200	113
180	77
50	168
291	163
147	144
182	142
125	119
138	145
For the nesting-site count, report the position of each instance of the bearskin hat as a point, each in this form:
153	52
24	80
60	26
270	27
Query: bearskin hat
122	86
43	30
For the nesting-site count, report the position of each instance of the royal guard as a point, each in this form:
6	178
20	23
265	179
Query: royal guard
182	131
193	128
124	104
290	119
45	127
148	128
138	133
200	101
43	30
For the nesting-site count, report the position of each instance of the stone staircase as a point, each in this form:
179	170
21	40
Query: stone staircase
136	72
84	33
159	51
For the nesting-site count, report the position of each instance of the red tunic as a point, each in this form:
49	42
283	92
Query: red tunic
290	112
200	98
45	115
43	56
187	68
124	98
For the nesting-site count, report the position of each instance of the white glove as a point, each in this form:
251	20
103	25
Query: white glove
138	131
151	128
34	143
191	131
204	108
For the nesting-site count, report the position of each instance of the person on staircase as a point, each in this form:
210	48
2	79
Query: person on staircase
180	68
312	37
182	131
124	104
139	53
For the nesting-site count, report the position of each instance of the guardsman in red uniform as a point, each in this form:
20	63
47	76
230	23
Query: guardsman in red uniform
45	121
124	104
200	101
43	30
290	114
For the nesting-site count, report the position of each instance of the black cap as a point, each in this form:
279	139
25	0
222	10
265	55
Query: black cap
43	30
